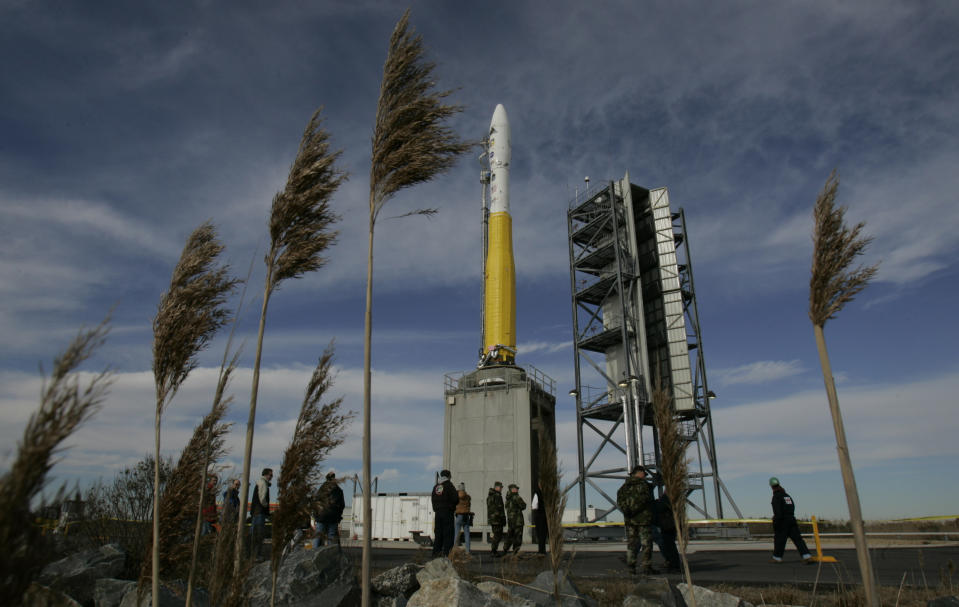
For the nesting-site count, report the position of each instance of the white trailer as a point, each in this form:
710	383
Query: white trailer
396	516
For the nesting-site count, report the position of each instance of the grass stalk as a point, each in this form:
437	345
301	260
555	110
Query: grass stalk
410	145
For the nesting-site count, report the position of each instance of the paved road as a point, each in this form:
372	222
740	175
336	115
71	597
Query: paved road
921	566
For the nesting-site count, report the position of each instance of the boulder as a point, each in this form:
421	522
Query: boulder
944	601
710	598
168	598
323	576
540	591
390	601
42	596
76	574
452	592
398	581
654	593
437	569
504	594
109	592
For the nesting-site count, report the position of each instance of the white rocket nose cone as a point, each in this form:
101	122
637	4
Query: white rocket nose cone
499	138
500	120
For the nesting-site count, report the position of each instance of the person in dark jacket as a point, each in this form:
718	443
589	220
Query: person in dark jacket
328	505
663	516
444	500
231	502
784	524
538	509
259	511
495	516
514	520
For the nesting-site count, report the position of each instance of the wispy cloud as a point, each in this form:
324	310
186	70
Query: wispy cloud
759	372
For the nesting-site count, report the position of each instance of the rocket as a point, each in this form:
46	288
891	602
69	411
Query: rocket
499	305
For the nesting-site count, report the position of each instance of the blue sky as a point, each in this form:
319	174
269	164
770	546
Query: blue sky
124	126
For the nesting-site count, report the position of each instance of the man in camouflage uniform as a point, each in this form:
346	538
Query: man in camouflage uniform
514	520
496	515
635	501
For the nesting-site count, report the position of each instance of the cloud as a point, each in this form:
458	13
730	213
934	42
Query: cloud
759	372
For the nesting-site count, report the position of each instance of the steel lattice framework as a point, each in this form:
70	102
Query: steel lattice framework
634	313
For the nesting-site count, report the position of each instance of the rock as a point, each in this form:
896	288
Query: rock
437	569
323	576
109	592
944	601
167	598
398	581
390	601
540	591
76	574
504	594
452	592
654	593
709	598
41	596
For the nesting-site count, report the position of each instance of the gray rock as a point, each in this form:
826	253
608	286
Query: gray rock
504	594
654	593
540	591
390	601
76	574
710	598
437	569
323	576
38	595
109	592
452	592
167	598
944	601
398	581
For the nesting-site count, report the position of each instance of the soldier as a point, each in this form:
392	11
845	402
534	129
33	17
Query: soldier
444	500
784	524
496	516
635	501
514	520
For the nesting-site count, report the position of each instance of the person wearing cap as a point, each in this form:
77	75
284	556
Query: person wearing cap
495	516
635	501
328	505
784	524
514	520
445	499
463	516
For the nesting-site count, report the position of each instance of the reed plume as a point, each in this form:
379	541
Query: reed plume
319	429
554	501
64	406
301	221
411	144
189	314
831	286
673	466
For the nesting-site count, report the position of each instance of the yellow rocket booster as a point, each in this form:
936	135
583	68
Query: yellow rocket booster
499	307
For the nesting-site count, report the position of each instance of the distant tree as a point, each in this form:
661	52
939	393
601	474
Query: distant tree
410	145
832	285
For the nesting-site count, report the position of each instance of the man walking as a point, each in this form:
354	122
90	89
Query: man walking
259	511
496	516
328	506
514	520
784	524
538	508
635	501
444	500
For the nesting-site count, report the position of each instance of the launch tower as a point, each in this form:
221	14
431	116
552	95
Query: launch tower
634	314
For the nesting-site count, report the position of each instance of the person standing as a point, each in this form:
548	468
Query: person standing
538	508
496	516
784	524
663	517
635	501
231	502
514	520
463	516
444	500
259	511
209	505
328	505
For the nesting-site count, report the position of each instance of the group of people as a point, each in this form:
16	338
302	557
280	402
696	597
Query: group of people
647	520
453	515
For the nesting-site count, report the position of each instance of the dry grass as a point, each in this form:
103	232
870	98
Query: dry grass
301	221
835	248
64	406
550	485
319	429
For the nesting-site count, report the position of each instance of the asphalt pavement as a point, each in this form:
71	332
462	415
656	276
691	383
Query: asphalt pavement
710	563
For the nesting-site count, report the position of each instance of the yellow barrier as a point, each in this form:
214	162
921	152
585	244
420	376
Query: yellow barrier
819	558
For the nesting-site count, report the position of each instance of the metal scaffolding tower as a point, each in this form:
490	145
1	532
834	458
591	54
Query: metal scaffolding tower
634	312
